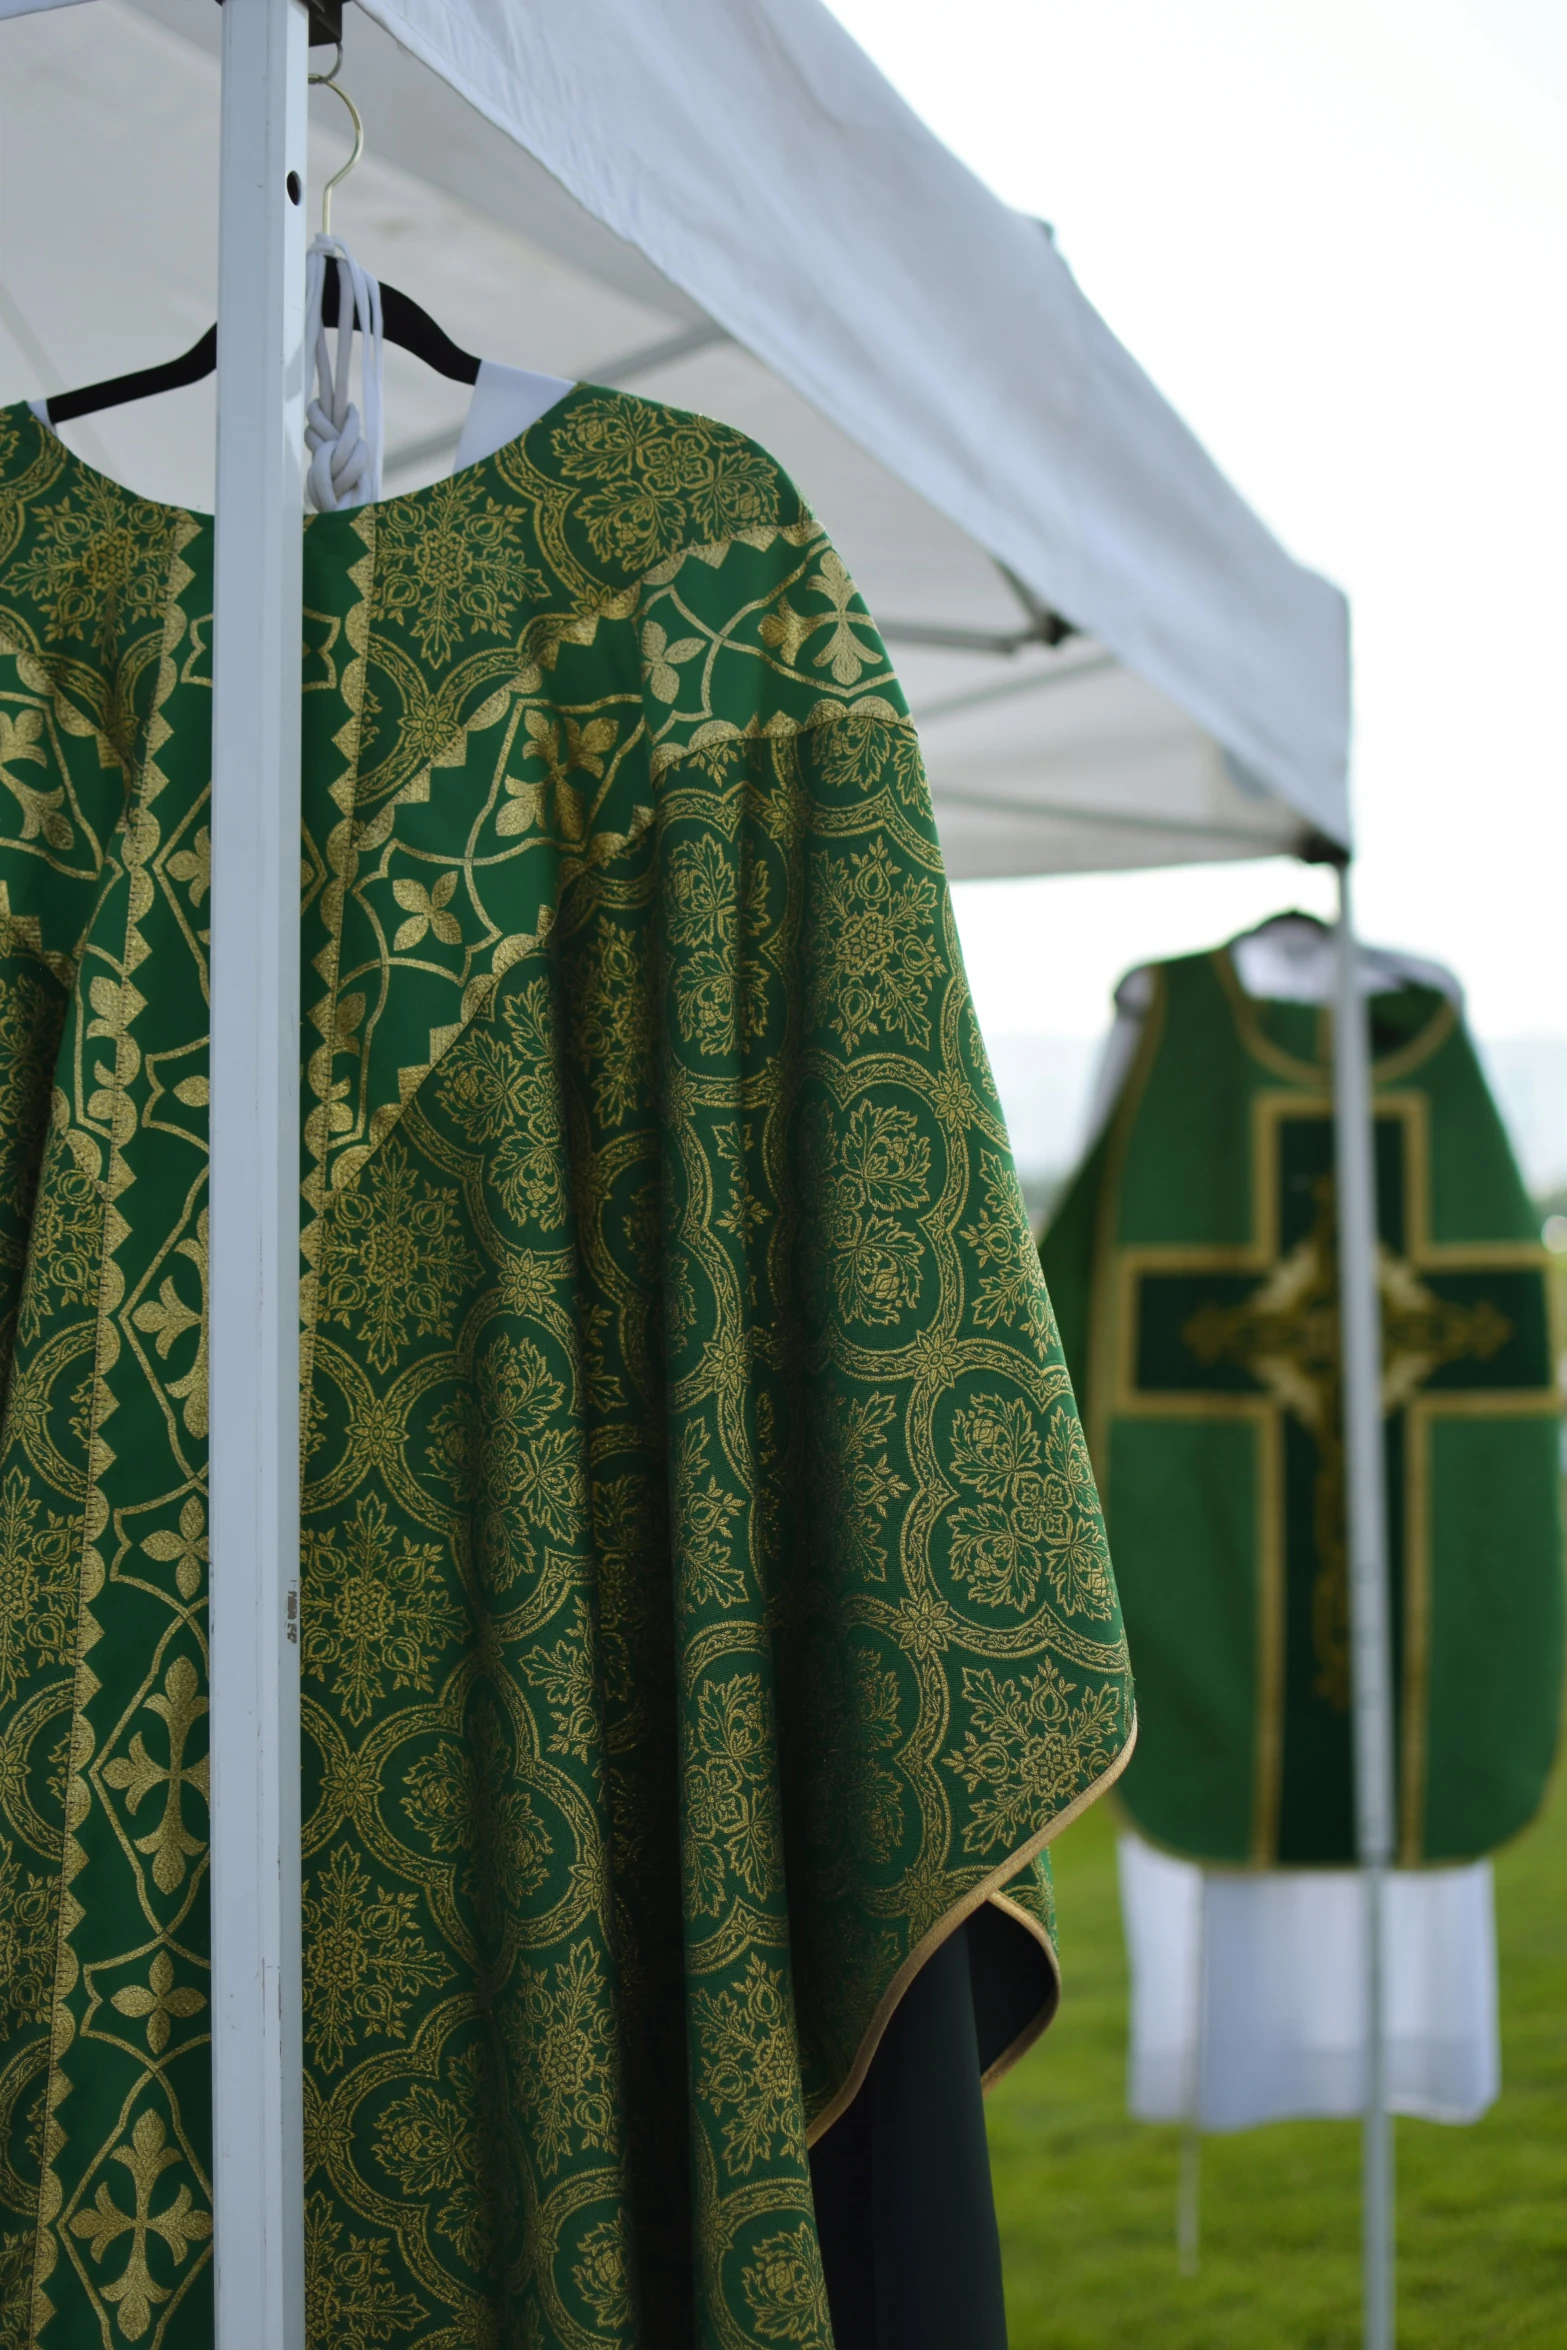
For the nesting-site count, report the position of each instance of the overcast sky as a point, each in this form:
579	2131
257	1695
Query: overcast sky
1335	233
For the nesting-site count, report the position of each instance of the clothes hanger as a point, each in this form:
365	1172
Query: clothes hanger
404	321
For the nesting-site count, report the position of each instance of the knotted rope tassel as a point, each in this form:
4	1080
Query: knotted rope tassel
345	454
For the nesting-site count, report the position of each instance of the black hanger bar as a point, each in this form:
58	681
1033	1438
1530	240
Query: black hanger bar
115	390
403	320
411	327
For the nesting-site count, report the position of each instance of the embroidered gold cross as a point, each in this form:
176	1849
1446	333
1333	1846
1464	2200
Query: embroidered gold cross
1286	1334
180	2225
170	1843
1246	1331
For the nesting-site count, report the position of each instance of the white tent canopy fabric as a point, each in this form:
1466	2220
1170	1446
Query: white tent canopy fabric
666	196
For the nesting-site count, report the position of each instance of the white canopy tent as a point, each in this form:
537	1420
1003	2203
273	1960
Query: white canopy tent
719	203
728	208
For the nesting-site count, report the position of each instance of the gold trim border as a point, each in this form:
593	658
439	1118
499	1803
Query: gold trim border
1270	1106
988	1889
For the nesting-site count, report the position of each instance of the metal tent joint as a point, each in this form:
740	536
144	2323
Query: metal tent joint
326	22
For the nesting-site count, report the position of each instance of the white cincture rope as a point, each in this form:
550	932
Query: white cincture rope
345	455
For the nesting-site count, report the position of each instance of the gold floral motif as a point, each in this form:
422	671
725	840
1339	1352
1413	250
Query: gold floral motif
852	646
1011	1289
612	1025
748	2067
927	1627
429	910
732	1823
179	2225
452	566
18	2255
743	1213
503	1091
874	1177
702	921
602	2275
560	749
365	1960
632	1575
712	1572
1029	1749
501	1445
432	2145
860	1724
1037	1511
64	1248
168	1318
397	1261
785	2289
876	957
351	2297
661	477
161	2001
37	1584
43	812
27	1924
99	565
662	660
865	755
529	1284
860	1486
564	2049
467	1801
720	986
185	1550
568	1675
376	1613
30	1020
179	1705
193	866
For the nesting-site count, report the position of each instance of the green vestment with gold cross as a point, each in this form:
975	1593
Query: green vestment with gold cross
705	1603
1193	1265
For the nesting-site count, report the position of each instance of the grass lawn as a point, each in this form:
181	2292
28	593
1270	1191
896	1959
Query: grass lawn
1087	2197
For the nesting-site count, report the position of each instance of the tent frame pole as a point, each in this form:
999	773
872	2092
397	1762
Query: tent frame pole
1370	1635
253	1296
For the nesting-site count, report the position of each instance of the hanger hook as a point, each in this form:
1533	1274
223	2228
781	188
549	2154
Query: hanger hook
329	81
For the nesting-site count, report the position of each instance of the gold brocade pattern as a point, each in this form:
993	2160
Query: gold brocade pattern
704	1595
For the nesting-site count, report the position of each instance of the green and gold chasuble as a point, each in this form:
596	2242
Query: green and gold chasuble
1194	1267
705	1600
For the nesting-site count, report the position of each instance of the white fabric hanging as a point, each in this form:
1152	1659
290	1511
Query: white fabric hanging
506	400
345	450
1249	1991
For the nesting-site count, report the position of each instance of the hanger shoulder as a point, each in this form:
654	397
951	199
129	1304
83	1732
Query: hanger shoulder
406	323
115	390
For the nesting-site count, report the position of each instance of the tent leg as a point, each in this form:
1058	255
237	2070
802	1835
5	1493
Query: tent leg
1188	2192
253	1295
1188	2203
1371	1678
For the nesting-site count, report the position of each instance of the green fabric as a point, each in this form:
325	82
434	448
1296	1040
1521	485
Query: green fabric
704	1589
1195	1263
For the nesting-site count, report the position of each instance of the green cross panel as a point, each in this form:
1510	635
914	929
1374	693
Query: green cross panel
1194	1265
1463	1335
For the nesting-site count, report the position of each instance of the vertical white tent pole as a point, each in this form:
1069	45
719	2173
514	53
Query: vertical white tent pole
253	1296
1371	1678
1188	2193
